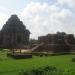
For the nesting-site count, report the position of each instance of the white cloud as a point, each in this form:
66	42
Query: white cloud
3	19
3	15
69	3
42	19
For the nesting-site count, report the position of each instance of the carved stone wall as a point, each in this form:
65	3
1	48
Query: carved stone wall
59	42
14	33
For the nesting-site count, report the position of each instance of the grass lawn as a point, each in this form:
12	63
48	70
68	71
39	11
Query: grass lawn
10	66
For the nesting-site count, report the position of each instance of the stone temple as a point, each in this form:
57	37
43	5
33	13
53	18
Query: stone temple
56	43
14	34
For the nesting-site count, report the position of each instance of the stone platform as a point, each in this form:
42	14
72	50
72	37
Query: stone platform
20	56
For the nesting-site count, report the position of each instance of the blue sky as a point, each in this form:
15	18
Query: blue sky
16	6
41	17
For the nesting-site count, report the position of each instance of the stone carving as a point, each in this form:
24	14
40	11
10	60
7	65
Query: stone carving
59	42
14	34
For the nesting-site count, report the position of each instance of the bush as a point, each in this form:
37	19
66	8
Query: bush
36	71
73	59
40	71
41	55
50	68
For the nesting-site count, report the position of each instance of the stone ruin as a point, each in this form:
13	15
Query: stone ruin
14	34
56	43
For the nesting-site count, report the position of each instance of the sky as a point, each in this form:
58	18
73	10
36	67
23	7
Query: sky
41	17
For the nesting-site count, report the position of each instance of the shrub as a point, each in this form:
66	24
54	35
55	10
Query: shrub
36	53
46	54
36	71
50	68
40	71
73	59
41	55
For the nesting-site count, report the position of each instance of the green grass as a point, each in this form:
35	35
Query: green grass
10	66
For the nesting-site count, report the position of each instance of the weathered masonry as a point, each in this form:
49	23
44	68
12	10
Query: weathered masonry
14	34
56	43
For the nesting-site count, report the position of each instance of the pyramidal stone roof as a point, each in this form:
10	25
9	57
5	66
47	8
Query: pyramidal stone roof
14	23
